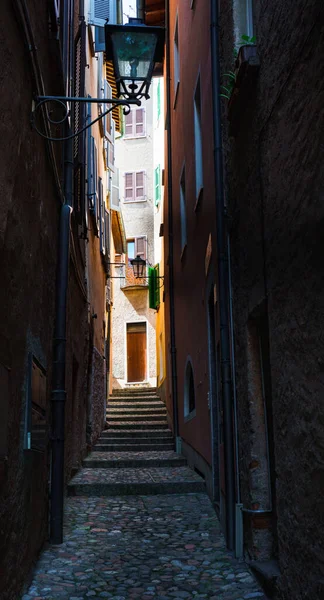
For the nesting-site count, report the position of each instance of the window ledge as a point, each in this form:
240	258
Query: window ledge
135	201
190	416
135	137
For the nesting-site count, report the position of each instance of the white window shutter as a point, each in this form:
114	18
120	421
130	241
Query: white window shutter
139	185
129	124
140	247
111	157
114	196
139	122
129	186
107	118
102	12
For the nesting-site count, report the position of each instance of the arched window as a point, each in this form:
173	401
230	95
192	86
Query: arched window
189	391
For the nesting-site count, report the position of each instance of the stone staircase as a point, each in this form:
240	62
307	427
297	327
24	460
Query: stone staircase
135	454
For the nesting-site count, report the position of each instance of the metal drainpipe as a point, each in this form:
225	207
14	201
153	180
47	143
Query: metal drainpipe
140	9
59	350
223	291
170	232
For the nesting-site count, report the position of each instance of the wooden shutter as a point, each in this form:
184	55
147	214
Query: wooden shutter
129	186
116	112
100	91
79	118
107	119
102	228
129	129
139	122
157	286
114	195
91	172
100	42
96	195
102	11
111	154
140	247
157	178
139	185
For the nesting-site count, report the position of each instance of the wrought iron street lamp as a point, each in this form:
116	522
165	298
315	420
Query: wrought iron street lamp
134	50
138	265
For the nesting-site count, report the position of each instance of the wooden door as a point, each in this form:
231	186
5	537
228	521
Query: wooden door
136	352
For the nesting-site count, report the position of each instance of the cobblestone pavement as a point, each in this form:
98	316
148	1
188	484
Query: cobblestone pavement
131	475
140	548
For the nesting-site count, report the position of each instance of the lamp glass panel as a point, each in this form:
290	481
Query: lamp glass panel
134	52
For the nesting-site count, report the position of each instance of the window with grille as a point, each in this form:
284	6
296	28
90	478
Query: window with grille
135	123
134	186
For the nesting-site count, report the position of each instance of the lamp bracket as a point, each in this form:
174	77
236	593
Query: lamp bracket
40	103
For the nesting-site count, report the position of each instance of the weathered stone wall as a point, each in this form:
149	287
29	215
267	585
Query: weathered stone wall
30	206
275	186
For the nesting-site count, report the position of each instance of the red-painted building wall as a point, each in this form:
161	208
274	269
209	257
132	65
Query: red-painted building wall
194	268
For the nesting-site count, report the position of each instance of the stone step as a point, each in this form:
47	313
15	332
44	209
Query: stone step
138	433
129	417
138	425
137	392
134	440
136	405
137	447
150	481
130	460
134	399
136	410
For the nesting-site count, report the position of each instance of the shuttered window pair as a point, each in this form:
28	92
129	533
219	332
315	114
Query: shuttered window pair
137	247
93	188
134	186
135	123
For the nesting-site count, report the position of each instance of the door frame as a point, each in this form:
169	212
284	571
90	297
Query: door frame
131	322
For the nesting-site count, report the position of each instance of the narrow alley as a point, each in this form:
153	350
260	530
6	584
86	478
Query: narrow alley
161	300
138	521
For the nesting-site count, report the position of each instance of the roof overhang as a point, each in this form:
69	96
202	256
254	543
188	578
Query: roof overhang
154	12
118	232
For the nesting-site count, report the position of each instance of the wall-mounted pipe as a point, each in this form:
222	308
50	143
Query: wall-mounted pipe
62	280
223	287
170	230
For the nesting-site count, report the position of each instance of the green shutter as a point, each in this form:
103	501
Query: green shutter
157	184
154	287
157	286
151	278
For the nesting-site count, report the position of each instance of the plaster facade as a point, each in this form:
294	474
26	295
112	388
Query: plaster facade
131	304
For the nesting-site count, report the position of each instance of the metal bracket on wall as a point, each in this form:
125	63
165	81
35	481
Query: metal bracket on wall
61	106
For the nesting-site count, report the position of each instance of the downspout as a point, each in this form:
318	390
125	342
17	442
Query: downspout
170	231
59	342
223	287
140	9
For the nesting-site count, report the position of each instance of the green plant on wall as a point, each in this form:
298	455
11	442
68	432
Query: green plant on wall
229	84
